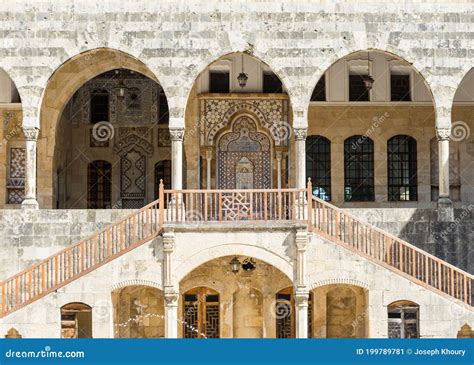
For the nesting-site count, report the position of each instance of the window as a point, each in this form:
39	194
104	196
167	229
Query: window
402	178
133	99
400	87
99	106
163	113
357	89
403	320
99	184
219	81
76	321
318	165
271	83
358	169
16	175
162	172
319	92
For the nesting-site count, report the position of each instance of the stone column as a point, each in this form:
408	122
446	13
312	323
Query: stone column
208	168
445	205
171	294
177	136
278	156
301	290
30	202
300	138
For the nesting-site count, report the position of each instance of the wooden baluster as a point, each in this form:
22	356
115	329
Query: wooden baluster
265	203
220	206
439	275
161	203
279	205
43	276
4	301
464	285
452	283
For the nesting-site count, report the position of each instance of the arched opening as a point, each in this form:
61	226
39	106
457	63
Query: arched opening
374	95
112	109
138	312
231	296
239	118
13	169
461	168
339	311
201	313
76	321
403	319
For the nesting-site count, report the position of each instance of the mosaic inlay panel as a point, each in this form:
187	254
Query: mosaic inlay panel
217	113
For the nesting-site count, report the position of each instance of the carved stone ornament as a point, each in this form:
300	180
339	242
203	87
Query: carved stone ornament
177	134
443	133
31	134
171	298
300	133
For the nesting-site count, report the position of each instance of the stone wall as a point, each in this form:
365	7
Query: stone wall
450	241
29	236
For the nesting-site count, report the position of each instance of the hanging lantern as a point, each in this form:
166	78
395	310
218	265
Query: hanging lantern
242	78
235	265
367	79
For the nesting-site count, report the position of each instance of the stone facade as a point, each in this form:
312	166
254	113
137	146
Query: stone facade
54	51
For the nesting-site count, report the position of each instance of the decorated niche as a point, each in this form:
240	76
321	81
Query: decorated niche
272	115
243	156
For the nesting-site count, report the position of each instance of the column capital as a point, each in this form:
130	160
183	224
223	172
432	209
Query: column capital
31	133
301	297
443	134
168	240
301	239
177	134
171	297
300	133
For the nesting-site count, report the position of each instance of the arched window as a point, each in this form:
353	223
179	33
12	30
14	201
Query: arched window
359	169
99	106
403	320
318	165
76	321
162	172
99	184
402	159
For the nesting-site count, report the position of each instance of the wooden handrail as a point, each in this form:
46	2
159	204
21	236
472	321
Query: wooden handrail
81	258
390	251
216	205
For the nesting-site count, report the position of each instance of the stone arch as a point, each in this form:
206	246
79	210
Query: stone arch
344	281
395	53
211	58
78	70
136	282
340	308
188	265
138	311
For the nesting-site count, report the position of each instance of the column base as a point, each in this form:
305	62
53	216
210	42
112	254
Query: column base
29	203
445	210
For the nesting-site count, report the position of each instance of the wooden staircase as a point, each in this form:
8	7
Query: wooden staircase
391	252
81	258
242	206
